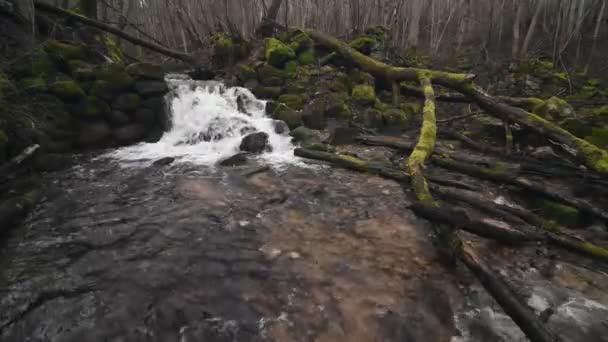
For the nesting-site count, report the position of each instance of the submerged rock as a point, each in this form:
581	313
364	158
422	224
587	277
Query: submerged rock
235	160
254	142
129	134
164	161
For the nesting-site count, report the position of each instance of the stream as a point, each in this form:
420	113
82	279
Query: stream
279	249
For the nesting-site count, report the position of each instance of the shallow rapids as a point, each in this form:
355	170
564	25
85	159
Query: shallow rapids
208	122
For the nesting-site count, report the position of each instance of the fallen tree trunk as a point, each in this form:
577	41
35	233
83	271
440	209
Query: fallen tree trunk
115	31
496	174
592	156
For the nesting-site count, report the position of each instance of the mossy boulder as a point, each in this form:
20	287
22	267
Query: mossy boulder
301	42
119	80
297	87
395	118
599	137
228	50
94	108
67	90
267	73
104	90
554	109
264	92
36	65
377	32
307	58
126	102
277	53
305	136
246	72
62	52
146	71
291	69
290	116
562	214
364	94
81	70
364	44
336	105
293	101
360	77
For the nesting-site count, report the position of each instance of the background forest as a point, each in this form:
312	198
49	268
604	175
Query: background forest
569	33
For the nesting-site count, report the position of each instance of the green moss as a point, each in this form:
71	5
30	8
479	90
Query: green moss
291	117
364	94
306	136
291	69
81	70
94	108
293	101
67	90
113	50
561	76
554	109
33	84
378	32
277	53
246	72
223	48
116	75
321	147
562	214
264	92
267	71
336	105
598	137
395	118
63	52
364	44
594	82
301	42
307	58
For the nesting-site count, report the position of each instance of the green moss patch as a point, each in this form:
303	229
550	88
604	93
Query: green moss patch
364	44
291	117
277	53
364	94
67	90
562	214
63	52
598	137
293	101
301	42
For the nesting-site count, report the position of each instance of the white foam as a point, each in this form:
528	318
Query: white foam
206	126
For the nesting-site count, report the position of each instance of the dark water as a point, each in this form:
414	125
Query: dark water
188	253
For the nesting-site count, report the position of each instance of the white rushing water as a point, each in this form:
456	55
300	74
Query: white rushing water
208	122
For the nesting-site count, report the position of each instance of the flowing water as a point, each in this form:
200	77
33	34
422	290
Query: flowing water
124	250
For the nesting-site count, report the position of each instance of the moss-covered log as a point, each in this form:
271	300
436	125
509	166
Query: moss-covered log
495	173
115	31
592	156
425	146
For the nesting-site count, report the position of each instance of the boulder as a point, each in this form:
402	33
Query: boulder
292	118
164	161
364	94
129	134
151	88
117	78
306	136
67	90
343	136
145	116
235	160
280	127
245	72
293	101
254	142
95	134
313	115
126	102
154	135
94	108
277	53
117	118
262	92
146	71
63	52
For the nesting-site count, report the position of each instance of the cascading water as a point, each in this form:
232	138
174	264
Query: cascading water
208	122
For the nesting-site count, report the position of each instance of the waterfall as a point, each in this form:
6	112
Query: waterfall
208	122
